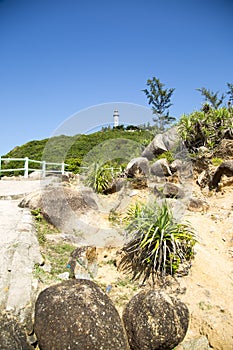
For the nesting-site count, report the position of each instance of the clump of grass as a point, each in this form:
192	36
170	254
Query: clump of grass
158	245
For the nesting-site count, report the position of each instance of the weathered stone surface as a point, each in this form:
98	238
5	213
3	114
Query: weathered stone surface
170	190
83	263
200	343
161	143
226	168
225	149
61	205
77	315
160	168
153	320
197	205
12	334
137	167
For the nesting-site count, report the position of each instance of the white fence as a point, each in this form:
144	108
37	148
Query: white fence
45	167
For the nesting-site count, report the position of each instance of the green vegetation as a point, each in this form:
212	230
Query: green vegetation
168	155
160	99
205	128
74	149
216	161
100	177
158	244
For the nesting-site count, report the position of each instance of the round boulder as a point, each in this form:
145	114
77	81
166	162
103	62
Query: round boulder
77	315
153	320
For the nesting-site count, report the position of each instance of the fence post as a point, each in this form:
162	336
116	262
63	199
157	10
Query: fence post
63	168
26	168
43	168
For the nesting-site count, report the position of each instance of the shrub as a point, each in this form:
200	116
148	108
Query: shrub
158	244
205	128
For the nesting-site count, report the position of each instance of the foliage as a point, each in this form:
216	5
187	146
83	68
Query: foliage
168	155
100	177
73	149
212	97
160	99
230	92
205	129
216	161
158	244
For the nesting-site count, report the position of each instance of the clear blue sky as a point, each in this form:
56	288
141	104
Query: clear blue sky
58	57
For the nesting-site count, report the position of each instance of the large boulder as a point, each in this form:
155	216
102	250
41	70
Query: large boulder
77	315
153	320
12	334
61	206
170	190
162	143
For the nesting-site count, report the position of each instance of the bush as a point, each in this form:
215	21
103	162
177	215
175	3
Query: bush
205	128
158	244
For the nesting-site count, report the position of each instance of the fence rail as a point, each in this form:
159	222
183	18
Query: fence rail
46	167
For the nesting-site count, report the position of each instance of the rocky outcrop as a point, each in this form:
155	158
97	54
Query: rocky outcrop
226	168
153	320
77	315
162	143
61	206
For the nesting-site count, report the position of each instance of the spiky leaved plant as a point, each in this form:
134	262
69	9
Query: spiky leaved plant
158	244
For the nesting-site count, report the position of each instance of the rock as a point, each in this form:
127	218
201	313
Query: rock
197	205
77	315
170	190
137	167
162	143
160	168
83	263
12	334
225	149
226	168
115	186
153	320
61	206
200	343
176	165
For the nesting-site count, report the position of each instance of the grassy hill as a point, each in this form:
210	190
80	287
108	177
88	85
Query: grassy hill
112	144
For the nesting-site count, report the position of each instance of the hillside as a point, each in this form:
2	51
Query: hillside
72	149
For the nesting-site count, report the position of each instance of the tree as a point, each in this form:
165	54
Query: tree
160	99
230	92
211	97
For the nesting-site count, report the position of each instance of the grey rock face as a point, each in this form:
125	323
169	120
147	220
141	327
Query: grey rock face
161	143
137	166
171	190
161	168
153	320
77	315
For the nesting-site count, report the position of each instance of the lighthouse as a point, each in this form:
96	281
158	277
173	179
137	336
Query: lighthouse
116	118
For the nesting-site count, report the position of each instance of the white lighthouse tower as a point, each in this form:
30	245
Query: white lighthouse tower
116	118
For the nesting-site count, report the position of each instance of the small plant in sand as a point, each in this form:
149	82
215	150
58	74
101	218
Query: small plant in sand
158	245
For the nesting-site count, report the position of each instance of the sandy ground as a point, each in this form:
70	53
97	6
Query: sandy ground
208	288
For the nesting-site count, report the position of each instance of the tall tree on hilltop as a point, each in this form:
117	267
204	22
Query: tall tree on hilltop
160	99
212	98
